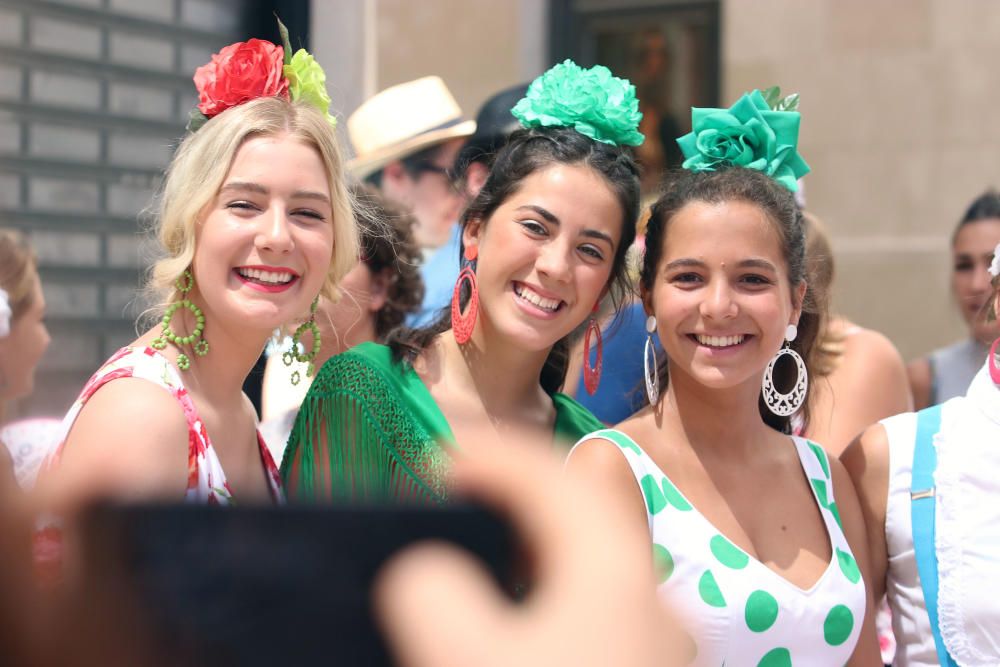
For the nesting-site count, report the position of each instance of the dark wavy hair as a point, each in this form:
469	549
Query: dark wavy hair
527	152
984	207
752	187
386	240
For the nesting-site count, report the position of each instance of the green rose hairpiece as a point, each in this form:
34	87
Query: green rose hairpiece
752	134
592	101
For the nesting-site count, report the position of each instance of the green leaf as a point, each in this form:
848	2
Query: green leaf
790	103
195	120
285	41
771	95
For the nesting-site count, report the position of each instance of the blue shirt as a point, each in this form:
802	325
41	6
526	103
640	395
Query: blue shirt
439	273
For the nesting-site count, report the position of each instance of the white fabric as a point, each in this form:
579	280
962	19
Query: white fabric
967	523
723	591
910	625
5	314
967	526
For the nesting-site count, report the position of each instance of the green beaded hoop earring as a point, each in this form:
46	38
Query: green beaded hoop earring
296	353
183	285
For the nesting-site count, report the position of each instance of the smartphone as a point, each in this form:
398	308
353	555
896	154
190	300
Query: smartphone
267	586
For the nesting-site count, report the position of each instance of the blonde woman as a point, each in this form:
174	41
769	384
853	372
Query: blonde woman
255	224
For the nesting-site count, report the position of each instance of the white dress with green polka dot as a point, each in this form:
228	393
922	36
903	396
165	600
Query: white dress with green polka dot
737	610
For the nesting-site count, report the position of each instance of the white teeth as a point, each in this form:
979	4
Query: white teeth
272	277
530	296
720	341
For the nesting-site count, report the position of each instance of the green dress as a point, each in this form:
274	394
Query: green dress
369	429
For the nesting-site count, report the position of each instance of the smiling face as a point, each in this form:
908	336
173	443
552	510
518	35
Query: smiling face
263	245
971	254
546	255
721	293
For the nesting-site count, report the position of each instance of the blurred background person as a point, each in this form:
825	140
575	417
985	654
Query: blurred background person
858	376
947	372
23	341
494	125
376	295
406	139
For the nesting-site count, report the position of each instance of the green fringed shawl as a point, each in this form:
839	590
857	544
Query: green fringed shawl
369	429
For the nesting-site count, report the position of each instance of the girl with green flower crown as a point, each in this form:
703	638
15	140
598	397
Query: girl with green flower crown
756	535
543	244
255	223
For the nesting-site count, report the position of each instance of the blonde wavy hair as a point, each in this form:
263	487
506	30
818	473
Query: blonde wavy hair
199	169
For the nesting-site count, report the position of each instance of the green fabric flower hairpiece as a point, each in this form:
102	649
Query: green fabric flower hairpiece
592	101
752	133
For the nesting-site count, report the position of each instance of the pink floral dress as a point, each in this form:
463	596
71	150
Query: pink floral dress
206	479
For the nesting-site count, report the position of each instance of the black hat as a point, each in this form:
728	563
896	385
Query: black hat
494	124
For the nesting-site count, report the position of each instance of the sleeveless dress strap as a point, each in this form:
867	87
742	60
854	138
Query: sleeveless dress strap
922	504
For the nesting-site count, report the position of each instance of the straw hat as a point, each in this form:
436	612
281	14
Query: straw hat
402	120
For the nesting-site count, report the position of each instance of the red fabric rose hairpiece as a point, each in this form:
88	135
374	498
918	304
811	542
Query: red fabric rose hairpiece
256	68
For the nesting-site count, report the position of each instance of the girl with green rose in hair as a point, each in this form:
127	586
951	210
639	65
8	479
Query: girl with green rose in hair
543	244
755	534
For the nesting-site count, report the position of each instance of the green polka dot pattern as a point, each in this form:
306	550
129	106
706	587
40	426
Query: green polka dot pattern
779	657
838	625
655	502
820	487
836	514
849	566
761	611
709	591
674	496
737	611
663	563
821	457
728	553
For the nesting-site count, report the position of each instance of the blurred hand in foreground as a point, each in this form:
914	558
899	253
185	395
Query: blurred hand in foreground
593	598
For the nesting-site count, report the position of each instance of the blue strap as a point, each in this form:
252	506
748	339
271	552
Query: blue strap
922	517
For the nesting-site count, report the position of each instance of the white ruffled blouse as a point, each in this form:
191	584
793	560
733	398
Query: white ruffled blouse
967	525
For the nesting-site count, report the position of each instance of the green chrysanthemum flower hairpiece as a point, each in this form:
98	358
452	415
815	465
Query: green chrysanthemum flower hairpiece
592	101
760	132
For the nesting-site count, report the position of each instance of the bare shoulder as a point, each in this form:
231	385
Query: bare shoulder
919	374
874	347
872	369
598	454
871	448
866	460
131	433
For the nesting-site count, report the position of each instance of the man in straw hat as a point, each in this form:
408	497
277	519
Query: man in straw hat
406	139
494	125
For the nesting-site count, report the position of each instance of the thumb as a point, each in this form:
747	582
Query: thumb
438	607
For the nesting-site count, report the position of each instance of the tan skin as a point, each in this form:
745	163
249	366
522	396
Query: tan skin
869	383
971	255
131	439
723	273
492	381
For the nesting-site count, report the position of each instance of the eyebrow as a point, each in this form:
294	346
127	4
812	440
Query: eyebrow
552	219
246	186
686	262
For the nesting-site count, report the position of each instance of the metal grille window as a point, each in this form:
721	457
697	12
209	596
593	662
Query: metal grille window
94	95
